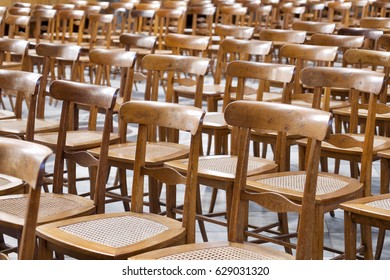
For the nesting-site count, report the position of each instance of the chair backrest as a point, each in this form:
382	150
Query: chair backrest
99	29
97	98
357	81
301	55
25	160
168	21
138	41
15	25
372	59
375	22
254	77
233	15
383	42
202	19
171	65
280	35
47	16
312	27
236	49
371	35
149	114
24	83
66	25
194	45
119	59
142	21
343	42
13	46
246	116
259	15
237	32
55	54
122	19
340	8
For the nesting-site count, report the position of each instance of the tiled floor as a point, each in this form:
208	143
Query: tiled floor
334	232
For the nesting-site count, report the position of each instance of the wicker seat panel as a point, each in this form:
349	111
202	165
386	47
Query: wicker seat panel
152	151
227	164
382	204
48	206
116	232
218	253
297	182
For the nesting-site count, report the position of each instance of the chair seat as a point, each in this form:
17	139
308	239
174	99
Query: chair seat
114	235
75	140
380	143
52	207
291	184
10	185
223	167
18	126
208	90
215	120
346	111
11	65
5	114
216	251
156	153
377	206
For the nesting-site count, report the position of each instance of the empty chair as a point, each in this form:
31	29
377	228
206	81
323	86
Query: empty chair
58	204
248	116
26	161
135	232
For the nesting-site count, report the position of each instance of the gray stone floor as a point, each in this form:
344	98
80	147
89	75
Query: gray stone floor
334	231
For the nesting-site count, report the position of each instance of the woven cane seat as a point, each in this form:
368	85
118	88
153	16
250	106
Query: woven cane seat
75	140
18	126
116	231
381	204
208	90
113	233
380	143
224	167
216	251
52	207
9	184
293	183
215	120
4	114
155	152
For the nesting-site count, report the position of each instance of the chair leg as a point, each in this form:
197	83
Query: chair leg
367	242
349	236
379	244
199	211
283	219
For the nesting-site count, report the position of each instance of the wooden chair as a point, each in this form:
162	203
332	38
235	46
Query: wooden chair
164	147
130	227
13	56
279	37
348	146
142	21
11	79
143	45
58	204
314	11
122	17
233	15
379	9
343	42
247	116
291	14
68	21
313	27
78	139
339	13
218	171
376	22
259	15
44	29
371	35
202	20
25	160
168	21
18	26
